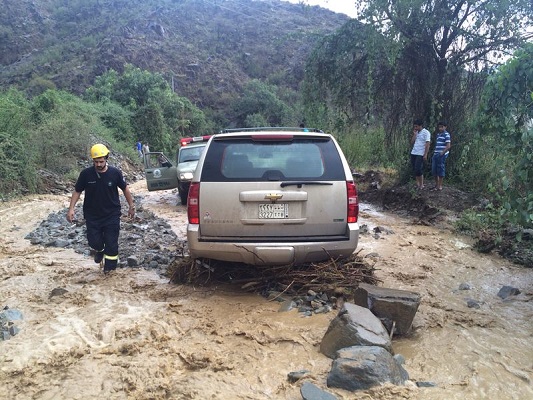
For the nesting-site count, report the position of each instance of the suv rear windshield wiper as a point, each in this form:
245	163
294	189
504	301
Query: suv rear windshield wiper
301	183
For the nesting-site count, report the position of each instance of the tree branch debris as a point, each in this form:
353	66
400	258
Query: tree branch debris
341	276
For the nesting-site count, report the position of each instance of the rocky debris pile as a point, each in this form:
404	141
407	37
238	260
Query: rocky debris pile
146	241
360	343
306	304
8	328
53	183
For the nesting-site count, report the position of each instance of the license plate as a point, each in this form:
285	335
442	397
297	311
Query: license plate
273	211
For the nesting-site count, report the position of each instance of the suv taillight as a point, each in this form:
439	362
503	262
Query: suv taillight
193	203
353	203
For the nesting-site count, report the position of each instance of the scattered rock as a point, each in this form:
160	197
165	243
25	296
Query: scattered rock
287	305
465	286
297	375
507	291
426	384
354	326
471	303
392	306
362	367
310	391
132	261
373	255
7	326
58	292
381	229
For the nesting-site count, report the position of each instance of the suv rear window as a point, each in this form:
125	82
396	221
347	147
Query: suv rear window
190	153
285	158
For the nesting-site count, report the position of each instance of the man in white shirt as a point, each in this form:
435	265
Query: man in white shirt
420	140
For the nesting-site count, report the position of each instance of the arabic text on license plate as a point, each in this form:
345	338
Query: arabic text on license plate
273	211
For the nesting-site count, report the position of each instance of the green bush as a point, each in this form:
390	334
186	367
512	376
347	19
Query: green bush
365	148
17	170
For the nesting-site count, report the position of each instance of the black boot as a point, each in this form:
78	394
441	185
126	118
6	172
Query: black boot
110	265
98	257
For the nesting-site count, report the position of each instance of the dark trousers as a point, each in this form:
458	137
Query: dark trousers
102	235
417	162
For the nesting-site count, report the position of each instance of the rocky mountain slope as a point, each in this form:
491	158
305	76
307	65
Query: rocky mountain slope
206	49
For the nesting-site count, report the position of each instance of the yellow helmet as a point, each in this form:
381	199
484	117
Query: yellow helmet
99	150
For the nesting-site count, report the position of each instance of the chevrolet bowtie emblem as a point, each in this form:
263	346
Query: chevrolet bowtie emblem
273	196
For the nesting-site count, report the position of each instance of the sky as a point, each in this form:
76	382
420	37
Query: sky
340	6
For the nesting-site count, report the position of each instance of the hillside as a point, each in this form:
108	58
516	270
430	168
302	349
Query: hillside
206	49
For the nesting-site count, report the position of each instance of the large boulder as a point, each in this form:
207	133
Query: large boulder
362	367
395	308
354	326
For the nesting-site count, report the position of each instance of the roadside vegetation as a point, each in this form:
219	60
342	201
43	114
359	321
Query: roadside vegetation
365	84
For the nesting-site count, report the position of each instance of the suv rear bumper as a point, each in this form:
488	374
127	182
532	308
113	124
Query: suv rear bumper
272	253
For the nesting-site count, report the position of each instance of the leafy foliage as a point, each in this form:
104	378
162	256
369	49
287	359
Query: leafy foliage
461	32
17	171
506	116
63	135
51	132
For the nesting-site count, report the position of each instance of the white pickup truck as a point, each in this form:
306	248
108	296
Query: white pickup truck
162	174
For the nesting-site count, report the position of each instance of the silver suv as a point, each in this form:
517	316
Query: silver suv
272	196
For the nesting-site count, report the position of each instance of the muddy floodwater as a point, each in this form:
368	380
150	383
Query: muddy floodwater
133	335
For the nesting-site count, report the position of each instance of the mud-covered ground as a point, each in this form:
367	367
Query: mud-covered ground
441	209
134	335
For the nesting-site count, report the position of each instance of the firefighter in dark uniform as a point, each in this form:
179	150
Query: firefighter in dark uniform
101	206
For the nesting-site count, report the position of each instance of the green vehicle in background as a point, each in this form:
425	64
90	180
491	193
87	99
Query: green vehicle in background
162	174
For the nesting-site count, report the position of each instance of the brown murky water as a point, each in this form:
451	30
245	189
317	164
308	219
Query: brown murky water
133	335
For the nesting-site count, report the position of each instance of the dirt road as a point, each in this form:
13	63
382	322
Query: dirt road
132	335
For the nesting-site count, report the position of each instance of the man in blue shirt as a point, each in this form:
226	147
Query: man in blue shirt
442	149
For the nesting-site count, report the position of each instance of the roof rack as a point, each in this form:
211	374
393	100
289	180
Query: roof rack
272	128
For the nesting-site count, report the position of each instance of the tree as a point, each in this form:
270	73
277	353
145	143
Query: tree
17	167
406	59
148	122
507	114
455	35
347	78
159	116
261	98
